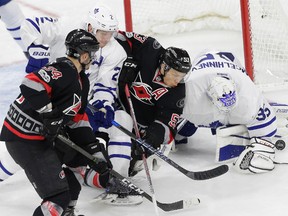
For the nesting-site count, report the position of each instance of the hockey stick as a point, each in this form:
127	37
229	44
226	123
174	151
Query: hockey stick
128	96
198	175
279	144
181	204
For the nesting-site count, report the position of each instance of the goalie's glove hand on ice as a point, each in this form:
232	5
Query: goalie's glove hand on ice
128	72
38	57
52	123
101	118
257	157
98	150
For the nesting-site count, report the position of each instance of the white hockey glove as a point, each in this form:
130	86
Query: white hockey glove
257	157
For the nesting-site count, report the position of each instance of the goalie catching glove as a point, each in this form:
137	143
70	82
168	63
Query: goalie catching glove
257	157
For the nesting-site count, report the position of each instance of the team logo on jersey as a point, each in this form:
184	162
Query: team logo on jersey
96	10
142	92
75	107
180	103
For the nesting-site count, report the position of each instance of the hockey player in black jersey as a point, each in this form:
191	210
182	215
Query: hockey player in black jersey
52	101
154	76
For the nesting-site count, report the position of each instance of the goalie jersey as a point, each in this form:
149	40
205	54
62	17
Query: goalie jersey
251	109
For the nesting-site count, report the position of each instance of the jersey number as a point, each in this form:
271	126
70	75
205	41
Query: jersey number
263	113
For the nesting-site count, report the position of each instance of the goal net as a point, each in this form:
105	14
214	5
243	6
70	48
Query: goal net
265	25
265	31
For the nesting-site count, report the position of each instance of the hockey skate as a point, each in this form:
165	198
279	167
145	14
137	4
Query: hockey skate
70	211
119	194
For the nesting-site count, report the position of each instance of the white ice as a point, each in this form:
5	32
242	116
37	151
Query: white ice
232	194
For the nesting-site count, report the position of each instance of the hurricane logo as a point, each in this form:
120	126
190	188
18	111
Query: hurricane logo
142	92
75	107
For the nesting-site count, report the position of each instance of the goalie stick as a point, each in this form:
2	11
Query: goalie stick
197	175
181	204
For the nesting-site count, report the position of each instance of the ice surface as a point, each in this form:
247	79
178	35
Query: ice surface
232	194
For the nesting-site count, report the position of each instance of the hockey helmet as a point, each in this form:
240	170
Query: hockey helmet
79	41
177	59
101	18
222	93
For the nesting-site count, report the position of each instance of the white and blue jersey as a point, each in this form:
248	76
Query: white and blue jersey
252	109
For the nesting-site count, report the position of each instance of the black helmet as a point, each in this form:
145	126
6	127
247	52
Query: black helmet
79	41
177	59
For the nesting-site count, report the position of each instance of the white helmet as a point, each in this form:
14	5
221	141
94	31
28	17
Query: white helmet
222	93
101	18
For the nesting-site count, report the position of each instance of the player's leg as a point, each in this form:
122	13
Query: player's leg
119	148
12	16
119	151
7	166
44	170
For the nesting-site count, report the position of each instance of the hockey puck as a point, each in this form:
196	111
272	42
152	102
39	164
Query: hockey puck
280	144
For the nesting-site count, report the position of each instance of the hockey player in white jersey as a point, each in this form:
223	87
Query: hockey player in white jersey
43	39
220	93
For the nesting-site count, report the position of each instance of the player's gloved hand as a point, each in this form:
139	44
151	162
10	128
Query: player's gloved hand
103	117
98	150
52	123
128	72
154	135
38	57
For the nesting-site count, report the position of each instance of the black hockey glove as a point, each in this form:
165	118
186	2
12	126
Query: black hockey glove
98	150
155	135
128	72
52	123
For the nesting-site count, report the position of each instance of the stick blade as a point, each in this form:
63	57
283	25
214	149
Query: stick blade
208	174
181	204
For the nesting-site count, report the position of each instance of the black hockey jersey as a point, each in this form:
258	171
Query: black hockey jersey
59	83
152	99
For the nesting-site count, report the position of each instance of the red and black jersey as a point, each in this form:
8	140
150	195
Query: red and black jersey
59	83
152	99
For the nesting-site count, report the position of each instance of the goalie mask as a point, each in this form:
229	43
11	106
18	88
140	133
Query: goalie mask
101	18
222	93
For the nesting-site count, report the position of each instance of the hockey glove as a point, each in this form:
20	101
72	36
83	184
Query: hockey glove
128	72
257	157
155	134
38	57
102	118
52	123
98	150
